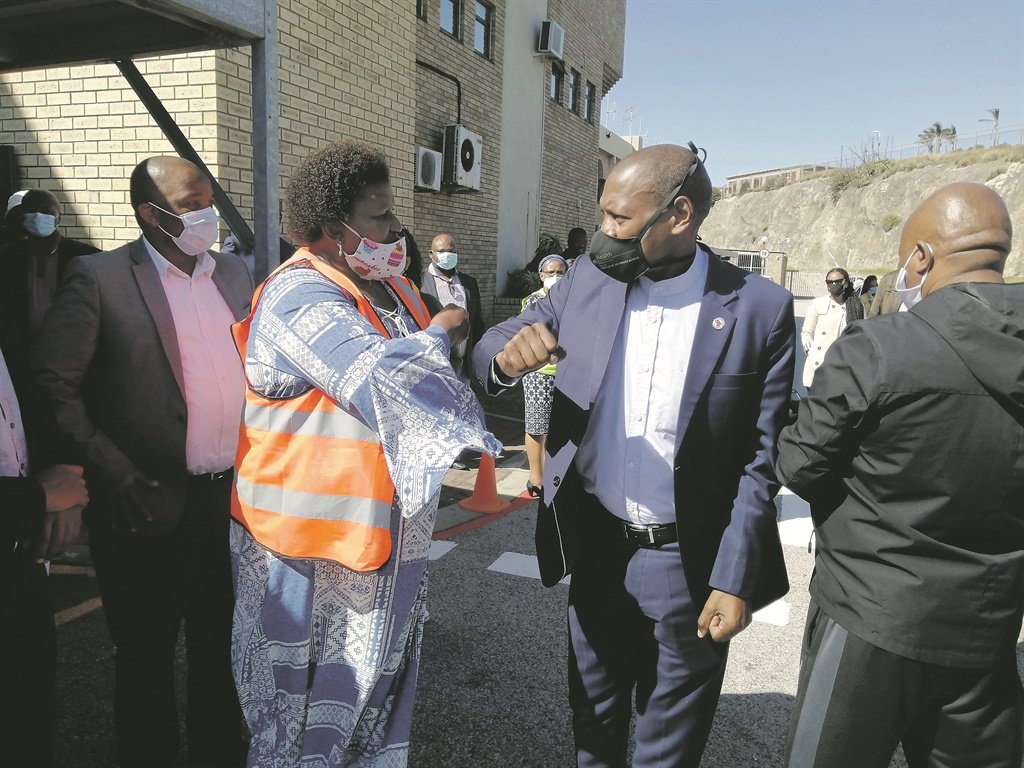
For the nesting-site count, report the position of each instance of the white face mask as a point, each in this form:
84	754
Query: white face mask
39	224
550	280
200	232
376	261
909	295
447	259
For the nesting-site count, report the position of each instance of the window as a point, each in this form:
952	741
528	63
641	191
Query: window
574	91
590	102
555	82
450	12
482	29
421	8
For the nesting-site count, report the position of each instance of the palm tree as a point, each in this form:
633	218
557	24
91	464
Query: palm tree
994	111
931	137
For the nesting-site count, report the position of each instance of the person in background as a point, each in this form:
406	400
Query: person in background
868	290
577	245
233	246
538	385
353	415
887	298
40	512
443	280
136	361
827	317
34	265
910	450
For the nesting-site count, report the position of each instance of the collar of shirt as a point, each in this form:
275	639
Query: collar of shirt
692	279
454	279
204	263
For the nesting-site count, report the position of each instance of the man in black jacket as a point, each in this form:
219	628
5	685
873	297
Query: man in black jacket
910	448
39	515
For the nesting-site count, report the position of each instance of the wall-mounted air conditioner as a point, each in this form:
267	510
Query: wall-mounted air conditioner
428	169
551	41
462	157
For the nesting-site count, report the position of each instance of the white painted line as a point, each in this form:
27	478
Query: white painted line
776	613
77	611
439	549
795	525
516	564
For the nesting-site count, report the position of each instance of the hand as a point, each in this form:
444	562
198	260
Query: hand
63	487
724	616
59	530
454	321
130	506
532	348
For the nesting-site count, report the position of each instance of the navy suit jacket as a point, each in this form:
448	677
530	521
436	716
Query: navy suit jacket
733	405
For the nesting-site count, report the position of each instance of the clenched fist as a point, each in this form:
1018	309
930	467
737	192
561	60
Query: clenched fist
532	348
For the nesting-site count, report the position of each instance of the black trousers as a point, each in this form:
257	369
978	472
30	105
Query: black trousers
633	631
150	586
856	702
29	651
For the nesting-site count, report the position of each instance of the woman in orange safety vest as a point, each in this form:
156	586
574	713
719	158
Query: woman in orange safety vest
352	417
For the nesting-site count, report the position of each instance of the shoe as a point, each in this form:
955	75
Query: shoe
533	490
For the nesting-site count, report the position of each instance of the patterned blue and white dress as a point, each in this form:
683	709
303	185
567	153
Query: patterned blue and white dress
326	658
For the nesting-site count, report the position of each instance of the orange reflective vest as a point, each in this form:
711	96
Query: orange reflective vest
311	480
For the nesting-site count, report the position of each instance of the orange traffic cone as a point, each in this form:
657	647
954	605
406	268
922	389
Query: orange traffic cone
485	491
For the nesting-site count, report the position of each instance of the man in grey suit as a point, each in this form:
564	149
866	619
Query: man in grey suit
137	362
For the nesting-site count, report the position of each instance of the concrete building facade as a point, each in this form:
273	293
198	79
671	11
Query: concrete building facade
384	72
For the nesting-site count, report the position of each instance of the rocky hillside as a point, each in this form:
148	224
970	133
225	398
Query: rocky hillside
859	225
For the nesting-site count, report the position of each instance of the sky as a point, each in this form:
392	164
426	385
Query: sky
764	84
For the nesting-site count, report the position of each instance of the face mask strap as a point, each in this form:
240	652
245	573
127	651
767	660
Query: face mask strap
670	198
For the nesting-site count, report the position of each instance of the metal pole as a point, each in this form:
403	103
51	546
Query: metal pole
183	146
266	151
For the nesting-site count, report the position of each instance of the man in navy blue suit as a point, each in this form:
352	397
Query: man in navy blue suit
674	375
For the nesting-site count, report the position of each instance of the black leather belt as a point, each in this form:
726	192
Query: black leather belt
213	477
650	536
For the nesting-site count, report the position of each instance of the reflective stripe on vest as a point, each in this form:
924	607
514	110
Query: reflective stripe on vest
312	481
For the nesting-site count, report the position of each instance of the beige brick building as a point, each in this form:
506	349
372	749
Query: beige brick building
354	69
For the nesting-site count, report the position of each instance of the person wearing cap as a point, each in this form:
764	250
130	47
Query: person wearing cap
139	367
34	264
538	385
673	381
443	280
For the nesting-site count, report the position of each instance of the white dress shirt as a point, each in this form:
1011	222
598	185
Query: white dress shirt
450	291
13	446
627	455
214	381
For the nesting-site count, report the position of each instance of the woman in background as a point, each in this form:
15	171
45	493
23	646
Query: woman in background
827	317
539	385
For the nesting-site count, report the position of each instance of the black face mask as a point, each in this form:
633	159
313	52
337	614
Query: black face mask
623	259
837	290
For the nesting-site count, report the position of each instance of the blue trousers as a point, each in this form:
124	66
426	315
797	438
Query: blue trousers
633	630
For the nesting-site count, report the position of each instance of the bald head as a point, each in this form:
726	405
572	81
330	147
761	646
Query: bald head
442	242
660	168
961	233
156	178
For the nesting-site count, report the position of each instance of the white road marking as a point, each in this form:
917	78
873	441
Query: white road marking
516	564
795	525
77	611
776	613
440	548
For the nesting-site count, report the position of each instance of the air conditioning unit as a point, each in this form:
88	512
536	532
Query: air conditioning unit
462	157
551	41
428	169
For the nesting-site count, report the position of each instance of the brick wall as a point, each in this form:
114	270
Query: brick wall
593	47
346	71
471	217
79	131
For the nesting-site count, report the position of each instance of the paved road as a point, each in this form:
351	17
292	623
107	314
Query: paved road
492	688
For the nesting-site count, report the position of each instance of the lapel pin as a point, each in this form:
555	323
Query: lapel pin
718	323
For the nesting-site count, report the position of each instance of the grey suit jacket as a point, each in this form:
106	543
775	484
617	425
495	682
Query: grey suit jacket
107	360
